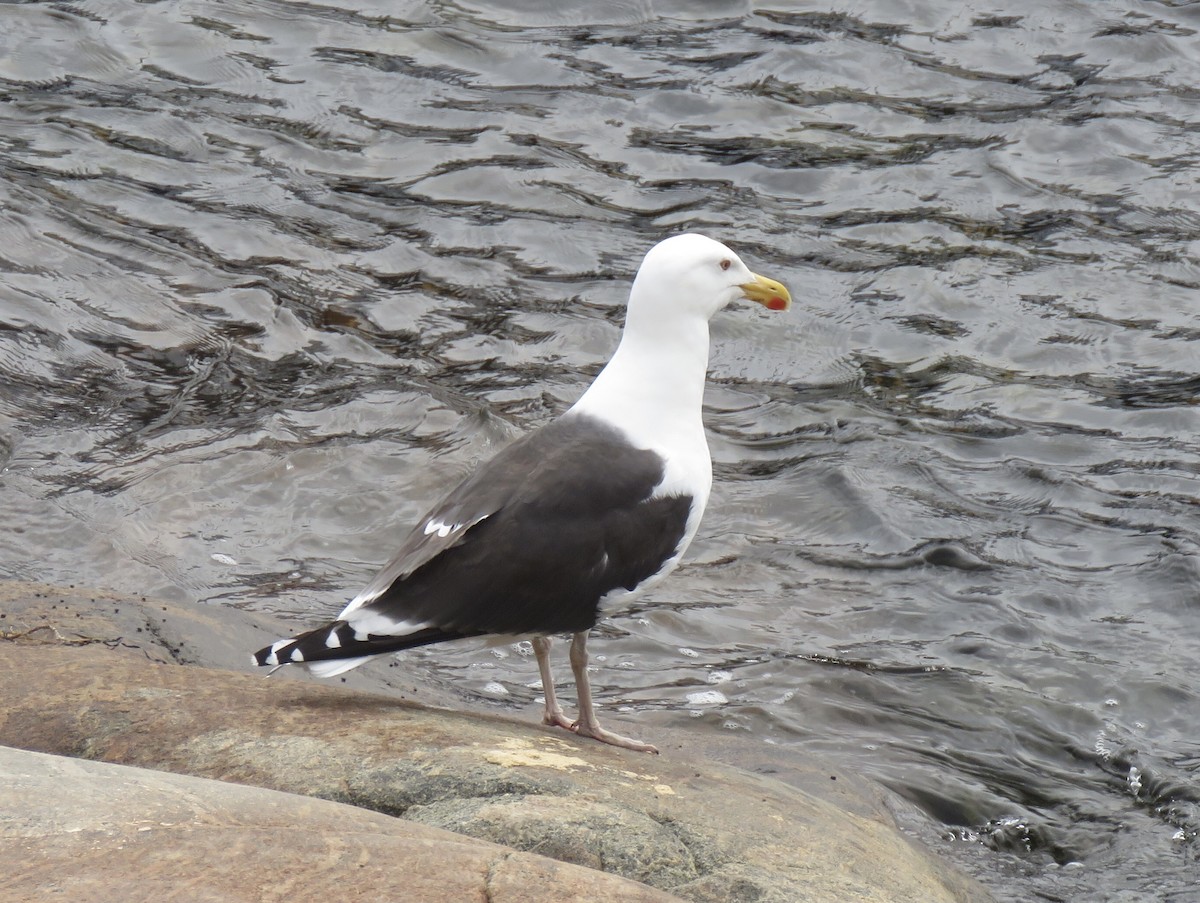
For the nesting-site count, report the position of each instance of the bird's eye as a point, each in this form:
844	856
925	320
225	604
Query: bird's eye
726	263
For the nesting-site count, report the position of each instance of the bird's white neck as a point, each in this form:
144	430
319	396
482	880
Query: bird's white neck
654	385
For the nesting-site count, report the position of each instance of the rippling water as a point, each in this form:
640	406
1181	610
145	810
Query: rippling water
274	275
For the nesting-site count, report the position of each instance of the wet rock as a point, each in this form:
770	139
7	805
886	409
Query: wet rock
697	829
90	831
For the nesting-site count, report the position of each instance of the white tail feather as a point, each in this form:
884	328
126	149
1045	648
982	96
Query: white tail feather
336	666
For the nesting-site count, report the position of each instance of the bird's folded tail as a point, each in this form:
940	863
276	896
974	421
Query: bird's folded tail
338	647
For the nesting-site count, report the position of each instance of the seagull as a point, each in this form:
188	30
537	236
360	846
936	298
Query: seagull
572	519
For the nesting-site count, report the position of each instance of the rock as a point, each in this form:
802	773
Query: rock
89	831
697	829
213	636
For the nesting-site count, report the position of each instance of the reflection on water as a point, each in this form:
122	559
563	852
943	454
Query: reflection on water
275	276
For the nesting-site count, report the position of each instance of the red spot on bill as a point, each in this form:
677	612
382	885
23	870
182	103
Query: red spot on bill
777	304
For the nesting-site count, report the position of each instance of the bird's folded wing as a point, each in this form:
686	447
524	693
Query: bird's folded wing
533	539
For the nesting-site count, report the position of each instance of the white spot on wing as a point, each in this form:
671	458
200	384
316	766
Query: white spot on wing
273	657
441	528
333	641
366	622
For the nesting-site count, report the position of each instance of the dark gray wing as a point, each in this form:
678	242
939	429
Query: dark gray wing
534	539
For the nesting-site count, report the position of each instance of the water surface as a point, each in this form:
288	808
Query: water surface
274	276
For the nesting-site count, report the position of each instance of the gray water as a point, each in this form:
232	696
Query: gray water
273	276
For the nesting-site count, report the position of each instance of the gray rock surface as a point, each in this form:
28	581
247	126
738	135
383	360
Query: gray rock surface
90	686
89	831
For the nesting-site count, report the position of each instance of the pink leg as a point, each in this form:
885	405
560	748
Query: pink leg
553	714
587	725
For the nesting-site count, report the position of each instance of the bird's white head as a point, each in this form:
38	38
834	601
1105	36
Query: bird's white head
694	274
654	385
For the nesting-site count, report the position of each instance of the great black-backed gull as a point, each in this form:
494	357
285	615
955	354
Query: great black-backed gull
589	510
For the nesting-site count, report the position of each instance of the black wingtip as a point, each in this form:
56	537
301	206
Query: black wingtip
260	657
